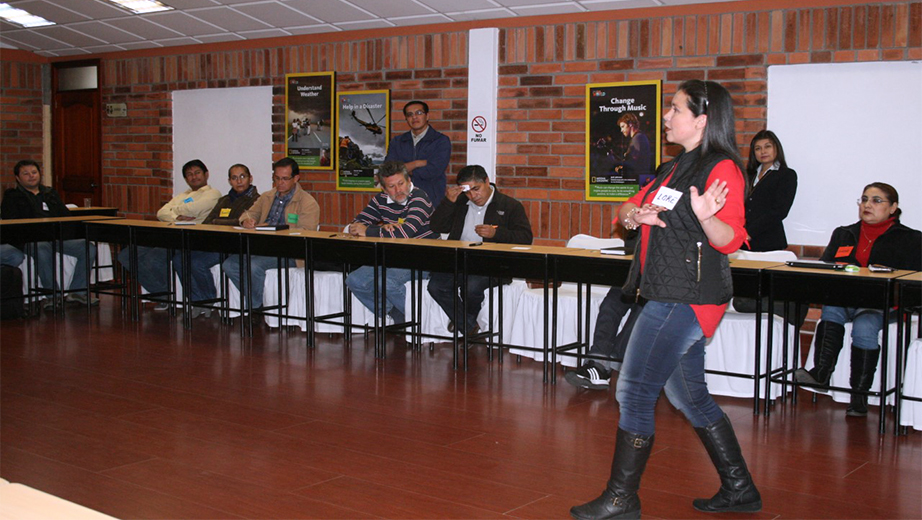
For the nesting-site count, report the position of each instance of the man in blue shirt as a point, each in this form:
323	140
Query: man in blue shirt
424	151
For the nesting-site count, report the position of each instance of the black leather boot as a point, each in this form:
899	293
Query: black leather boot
828	342
620	500
864	365
737	491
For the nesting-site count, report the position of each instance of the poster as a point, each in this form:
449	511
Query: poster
308	119
362	125
623	137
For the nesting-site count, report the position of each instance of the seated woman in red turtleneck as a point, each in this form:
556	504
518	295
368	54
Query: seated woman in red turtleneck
878	238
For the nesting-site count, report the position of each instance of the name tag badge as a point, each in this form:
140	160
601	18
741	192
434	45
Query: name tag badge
45	206
667	197
225	212
400	220
844	251
292	218
190	199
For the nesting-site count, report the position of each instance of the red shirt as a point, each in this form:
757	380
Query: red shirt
866	239
733	213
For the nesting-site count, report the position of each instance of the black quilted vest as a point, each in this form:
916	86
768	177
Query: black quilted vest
681	266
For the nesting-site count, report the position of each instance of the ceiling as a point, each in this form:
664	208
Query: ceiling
95	26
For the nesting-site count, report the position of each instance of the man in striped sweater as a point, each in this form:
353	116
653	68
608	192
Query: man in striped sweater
399	211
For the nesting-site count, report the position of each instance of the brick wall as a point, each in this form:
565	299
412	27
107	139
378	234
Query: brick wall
20	111
544	64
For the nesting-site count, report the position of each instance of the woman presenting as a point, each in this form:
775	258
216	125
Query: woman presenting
877	238
773	186
690	218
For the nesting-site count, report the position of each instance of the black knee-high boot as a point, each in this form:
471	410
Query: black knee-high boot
828	343
620	500
864	365
737	491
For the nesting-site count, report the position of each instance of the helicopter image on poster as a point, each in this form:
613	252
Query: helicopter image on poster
371	127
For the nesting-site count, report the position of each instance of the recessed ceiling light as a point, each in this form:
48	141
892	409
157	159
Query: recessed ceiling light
142	6
20	17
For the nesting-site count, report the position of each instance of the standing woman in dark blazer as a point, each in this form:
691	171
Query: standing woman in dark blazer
772	188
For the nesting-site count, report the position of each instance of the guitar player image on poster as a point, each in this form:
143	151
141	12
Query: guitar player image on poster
623	138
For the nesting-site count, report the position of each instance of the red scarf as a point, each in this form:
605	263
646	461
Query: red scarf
867	237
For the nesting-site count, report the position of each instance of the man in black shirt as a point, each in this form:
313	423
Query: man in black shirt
31	199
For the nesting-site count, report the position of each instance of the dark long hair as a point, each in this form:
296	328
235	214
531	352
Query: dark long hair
752	169
711	99
892	195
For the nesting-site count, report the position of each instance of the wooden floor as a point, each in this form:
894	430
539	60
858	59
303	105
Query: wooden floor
146	420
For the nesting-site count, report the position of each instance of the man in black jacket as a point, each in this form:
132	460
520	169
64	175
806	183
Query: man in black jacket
31	199
483	215
226	212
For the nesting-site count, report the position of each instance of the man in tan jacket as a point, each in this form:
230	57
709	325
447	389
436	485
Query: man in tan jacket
285	204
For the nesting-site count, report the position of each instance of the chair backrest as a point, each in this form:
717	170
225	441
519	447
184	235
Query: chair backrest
781	255
591	242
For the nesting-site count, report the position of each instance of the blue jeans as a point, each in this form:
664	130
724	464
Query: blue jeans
203	287
259	266
45	266
866	324
361	283
10	255
152	274
666	350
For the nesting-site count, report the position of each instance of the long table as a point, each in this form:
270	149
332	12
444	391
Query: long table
52	229
551	265
862	289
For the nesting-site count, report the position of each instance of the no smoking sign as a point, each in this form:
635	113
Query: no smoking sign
479	124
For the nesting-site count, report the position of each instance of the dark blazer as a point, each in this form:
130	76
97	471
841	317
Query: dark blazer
767	206
20	203
504	212
899	247
237	207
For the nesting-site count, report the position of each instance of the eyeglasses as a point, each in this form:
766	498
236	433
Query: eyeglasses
277	179
417	113
872	200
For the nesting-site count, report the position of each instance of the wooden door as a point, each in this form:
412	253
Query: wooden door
76	136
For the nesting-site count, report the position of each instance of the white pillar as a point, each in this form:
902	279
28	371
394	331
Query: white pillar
482	87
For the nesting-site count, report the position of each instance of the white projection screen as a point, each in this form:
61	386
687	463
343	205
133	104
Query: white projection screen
844	126
223	127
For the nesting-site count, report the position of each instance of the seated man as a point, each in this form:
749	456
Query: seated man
10	255
31	199
226	212
484	215
286	204
192	205
607	340
399	211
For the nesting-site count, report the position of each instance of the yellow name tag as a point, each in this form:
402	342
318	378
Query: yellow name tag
225	212
400	221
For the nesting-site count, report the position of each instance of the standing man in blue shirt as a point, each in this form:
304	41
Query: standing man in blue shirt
424	151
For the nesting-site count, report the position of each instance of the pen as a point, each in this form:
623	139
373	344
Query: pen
477	244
